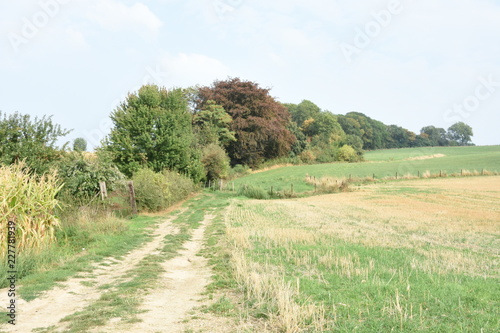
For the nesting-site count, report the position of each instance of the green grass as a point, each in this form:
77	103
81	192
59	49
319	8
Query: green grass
391	296
40	272
382	164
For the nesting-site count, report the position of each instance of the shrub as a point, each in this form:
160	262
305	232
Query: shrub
151	190
347	154
81	174
215	161
181	186
157	191
307	156
239	171
254	192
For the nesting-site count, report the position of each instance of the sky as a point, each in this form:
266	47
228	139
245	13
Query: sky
404	62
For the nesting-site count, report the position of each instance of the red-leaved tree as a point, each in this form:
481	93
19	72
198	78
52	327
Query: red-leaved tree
259	121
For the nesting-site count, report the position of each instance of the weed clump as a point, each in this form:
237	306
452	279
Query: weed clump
253	192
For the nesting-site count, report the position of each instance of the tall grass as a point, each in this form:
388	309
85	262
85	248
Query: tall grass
29	201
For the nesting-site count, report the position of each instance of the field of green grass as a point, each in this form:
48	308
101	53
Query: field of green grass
382	164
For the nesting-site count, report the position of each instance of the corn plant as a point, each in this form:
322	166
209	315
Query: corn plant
29	201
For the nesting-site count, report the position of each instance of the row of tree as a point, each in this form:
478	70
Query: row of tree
201	131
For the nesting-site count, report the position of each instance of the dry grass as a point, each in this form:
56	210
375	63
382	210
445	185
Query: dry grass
452	224
265	286
459	214
416	158
277	166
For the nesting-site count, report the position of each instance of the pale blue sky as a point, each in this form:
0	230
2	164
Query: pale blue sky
404	62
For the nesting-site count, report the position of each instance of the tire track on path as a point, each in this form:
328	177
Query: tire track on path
72	296
179	291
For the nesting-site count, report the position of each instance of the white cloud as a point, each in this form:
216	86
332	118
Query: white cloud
76	38
190	69
114	15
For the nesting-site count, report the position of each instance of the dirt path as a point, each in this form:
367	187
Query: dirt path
180	291
76	293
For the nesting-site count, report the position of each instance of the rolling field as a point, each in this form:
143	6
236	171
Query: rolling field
407	256
382	164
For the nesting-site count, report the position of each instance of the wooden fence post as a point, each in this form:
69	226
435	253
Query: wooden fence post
291	188
133	204
104	192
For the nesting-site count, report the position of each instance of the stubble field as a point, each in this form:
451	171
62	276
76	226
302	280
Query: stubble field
407	256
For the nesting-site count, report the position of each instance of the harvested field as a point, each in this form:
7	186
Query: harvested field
414	255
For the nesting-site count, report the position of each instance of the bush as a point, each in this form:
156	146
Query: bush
215	161
254	192
81	174
239	171
151	190
347	154
307	156
181	186
157	191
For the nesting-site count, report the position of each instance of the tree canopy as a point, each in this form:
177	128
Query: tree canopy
460	133
258	120
152	128
32	140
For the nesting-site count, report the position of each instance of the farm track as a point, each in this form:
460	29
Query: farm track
186	277
178	292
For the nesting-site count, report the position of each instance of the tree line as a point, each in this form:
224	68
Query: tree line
201	132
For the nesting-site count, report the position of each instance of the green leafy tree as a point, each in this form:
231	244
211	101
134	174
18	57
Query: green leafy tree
373	132
300	144
32	140
259	121
355	142
303	111
460	133
152	128
436	136
326	126
80	144
399	137
212	124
